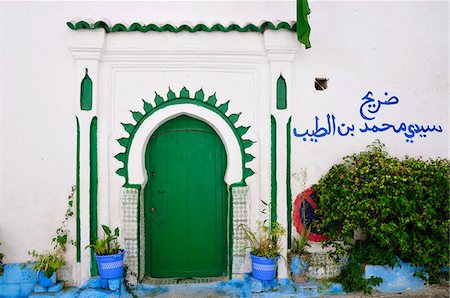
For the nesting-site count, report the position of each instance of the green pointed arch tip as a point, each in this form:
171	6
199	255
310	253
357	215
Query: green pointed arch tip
184	93
212	100
223	107
137	116
242	130
249	157
171	95
123	142
120	157
234	117
128	127
247	143
122	172
158	99
82	25
147	106
199	95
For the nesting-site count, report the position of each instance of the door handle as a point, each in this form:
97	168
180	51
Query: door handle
152	209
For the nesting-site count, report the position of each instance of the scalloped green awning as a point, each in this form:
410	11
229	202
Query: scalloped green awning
188	28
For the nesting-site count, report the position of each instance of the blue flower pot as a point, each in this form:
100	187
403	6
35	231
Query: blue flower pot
44	281
264	268
110	266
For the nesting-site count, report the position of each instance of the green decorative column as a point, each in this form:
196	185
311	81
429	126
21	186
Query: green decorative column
86	49
281	48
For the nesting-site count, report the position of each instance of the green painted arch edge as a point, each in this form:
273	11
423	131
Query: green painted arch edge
119	27
184	98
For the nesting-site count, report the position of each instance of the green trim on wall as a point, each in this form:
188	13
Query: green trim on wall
288	182
281	93
93	192
138	187
86	93
182	28
199	99
273	169
78	223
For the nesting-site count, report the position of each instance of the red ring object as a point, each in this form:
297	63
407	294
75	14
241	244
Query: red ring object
306	195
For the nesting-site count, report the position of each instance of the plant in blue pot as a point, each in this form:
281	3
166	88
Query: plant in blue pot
299	258
266	248
108	254
46	264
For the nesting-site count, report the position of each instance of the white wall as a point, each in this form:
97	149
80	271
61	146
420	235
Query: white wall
399	47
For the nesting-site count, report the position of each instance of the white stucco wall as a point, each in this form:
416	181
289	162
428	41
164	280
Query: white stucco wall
398	47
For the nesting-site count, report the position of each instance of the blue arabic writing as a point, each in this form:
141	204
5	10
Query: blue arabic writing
368	110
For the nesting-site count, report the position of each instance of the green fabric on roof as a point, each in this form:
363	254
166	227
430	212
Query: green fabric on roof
303	28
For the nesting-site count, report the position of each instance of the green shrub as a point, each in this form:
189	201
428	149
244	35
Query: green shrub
401	206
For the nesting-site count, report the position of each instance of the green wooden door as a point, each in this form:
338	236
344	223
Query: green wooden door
186	202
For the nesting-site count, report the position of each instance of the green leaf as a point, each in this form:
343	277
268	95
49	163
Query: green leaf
122	172
184	93
106	229
234	117
158	99
223	107
199	95
137	116
116	232
212	100
247	143
242	130
171	95
123	142
248	157
120	156
128	127
147	106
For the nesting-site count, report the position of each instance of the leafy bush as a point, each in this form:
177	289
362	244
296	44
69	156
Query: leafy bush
352	279
401	207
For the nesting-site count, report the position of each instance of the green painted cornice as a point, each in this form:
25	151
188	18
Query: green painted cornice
188	28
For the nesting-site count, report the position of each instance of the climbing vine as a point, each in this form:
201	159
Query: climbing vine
61	238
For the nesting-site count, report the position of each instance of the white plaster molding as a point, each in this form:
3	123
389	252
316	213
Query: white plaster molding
86	44
280	45
136	163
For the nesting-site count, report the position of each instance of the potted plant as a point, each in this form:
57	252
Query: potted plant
265	247
108	254
46	264
299	258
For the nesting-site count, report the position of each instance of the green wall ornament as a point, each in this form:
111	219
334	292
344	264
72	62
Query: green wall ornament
84	25
86	93
281	93
184	97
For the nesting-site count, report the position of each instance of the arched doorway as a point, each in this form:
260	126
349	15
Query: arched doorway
186	205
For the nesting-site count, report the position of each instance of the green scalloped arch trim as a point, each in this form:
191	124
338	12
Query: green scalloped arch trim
171	28
184	98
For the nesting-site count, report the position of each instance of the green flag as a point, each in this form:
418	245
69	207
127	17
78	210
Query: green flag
303	29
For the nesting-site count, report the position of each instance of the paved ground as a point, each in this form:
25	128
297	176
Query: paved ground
435	291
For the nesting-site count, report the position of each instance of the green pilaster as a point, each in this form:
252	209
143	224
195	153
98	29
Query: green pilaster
78	232
273	166
288	182
93	191
86	93
281	93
